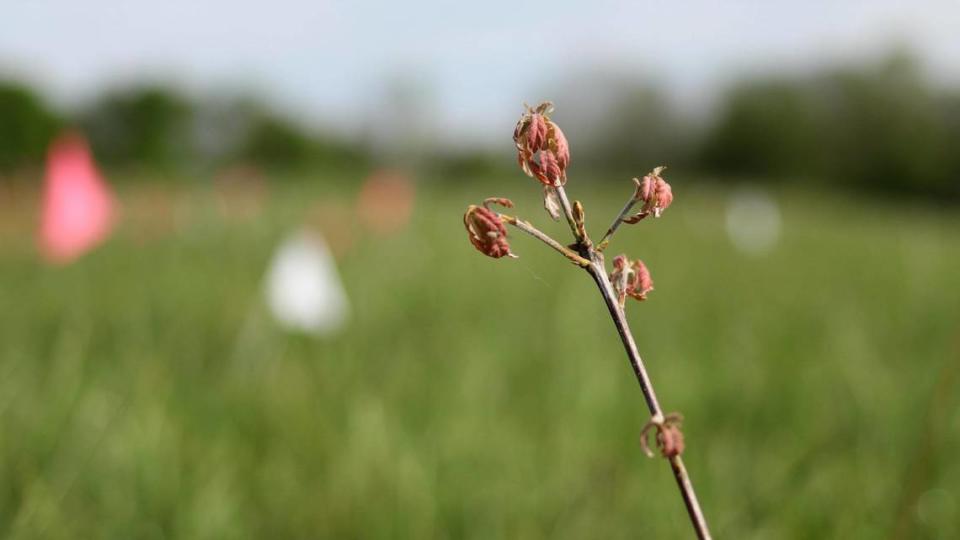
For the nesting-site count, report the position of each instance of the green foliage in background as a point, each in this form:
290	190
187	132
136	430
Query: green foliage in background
145	393
158	129
26	126
876	128
274	141
147	126
766	128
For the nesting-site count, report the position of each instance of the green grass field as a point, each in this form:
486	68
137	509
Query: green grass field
145	392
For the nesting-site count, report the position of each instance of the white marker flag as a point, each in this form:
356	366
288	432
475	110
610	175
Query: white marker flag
303	288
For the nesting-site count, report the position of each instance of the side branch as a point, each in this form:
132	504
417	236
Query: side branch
543	237
621	217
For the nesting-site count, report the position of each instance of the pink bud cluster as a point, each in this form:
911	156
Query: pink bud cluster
542	149
486	232
630	278
655	193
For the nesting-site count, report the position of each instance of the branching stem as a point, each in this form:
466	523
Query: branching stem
591	259
543	152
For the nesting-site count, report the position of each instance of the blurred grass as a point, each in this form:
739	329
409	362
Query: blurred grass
144	392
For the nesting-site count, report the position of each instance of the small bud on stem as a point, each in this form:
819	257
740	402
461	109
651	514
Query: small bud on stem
669	437
579	219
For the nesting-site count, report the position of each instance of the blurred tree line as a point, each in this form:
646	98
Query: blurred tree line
881	127
26	126
156	128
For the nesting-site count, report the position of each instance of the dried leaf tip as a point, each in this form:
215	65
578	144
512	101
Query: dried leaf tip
551	202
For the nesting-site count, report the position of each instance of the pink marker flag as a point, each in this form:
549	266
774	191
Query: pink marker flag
78	207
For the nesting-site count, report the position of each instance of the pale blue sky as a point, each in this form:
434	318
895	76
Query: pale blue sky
329	59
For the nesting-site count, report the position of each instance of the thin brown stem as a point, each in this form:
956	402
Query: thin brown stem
598	272
526	227
568	212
